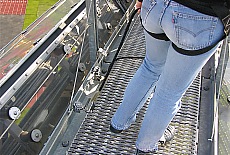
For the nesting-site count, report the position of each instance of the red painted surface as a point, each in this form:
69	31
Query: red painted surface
39	93
13	7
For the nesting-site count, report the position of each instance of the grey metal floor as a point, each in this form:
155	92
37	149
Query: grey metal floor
94	136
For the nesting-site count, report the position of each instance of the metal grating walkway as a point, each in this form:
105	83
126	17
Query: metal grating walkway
224	120
94	136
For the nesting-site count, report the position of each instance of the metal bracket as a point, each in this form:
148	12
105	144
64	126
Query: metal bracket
67	49
88	91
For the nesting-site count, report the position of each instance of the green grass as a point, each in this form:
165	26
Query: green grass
35	8
45	5
24	112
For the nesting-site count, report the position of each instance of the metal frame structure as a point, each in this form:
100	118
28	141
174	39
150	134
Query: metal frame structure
23	70
60	36
75	85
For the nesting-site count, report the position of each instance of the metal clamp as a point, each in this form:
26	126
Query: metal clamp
78	107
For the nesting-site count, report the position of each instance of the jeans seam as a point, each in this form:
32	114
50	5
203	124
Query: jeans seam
213	28
167	3
148	10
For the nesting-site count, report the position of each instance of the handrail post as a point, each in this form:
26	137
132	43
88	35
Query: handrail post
92	29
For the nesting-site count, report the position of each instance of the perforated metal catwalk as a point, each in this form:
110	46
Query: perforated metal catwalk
94	136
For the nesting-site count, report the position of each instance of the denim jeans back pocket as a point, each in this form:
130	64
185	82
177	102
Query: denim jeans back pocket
194	31
146	8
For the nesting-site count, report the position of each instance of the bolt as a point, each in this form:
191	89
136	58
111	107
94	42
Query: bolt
65	143
228	98
206	88
37	135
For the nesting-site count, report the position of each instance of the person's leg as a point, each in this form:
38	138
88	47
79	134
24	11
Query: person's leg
192	31
142	84
179	72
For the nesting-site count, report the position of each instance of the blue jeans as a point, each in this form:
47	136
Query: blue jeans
165	71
